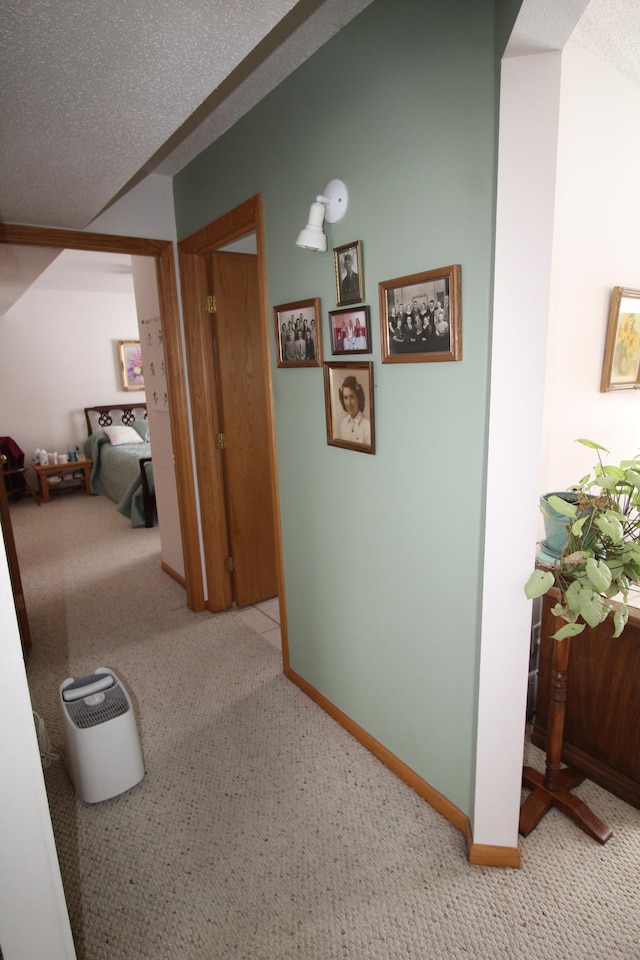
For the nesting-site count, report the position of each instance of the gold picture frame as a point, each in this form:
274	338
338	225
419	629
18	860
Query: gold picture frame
298	329
349	273
350	330
131	368
348	400
421	317
621	365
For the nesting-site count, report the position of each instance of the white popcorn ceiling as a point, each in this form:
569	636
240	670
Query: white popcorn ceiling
96	93
92	90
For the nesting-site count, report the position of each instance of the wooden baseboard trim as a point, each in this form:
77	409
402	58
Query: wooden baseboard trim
486	855
175	576
478	854
435	799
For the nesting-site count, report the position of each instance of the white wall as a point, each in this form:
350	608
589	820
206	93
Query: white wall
60	351
145	211
559	252
529	111
596	247
33	918
164	475
34	924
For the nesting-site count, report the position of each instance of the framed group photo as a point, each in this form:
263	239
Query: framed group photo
348	397
621	365
350	330
298	333
349	270
420	317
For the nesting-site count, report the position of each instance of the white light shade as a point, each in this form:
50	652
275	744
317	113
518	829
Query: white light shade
313	237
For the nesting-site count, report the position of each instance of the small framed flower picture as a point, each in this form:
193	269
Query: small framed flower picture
621	366
131	364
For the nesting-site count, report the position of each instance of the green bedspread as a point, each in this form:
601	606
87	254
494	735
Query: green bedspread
116	474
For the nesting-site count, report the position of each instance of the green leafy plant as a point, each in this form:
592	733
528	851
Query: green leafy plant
601	558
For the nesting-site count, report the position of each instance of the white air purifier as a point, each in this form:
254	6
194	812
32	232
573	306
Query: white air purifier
102	746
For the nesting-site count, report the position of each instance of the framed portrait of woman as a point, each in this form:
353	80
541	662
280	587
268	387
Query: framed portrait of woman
348	397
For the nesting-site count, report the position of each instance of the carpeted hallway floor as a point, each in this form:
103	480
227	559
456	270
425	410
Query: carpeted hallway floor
262	830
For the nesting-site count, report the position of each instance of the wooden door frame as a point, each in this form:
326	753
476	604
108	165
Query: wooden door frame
162	251
6	533
192	251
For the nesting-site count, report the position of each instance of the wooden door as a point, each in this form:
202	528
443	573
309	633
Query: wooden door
243	405
14	569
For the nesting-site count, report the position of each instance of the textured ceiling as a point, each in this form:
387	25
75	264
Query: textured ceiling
94	94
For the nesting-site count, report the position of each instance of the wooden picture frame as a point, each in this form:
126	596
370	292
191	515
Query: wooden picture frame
298	327
350	330
421	317
131	369
621	365
349	406
348	267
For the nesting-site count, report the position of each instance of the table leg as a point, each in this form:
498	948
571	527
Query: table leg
554	788
44	488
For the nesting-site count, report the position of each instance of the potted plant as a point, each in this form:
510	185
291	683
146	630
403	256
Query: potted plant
601	557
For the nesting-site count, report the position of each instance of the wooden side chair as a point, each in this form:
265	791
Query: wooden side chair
14	472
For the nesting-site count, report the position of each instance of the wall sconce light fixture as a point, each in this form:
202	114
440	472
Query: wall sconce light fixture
330	206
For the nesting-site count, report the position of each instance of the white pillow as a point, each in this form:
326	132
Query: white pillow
119	435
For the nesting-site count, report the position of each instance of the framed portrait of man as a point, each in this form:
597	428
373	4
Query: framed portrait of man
349	270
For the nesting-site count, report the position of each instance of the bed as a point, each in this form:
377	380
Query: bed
118	443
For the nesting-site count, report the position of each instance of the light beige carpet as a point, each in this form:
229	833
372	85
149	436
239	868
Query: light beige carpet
261	830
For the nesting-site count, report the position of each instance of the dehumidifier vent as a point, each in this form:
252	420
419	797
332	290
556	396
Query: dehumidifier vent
102	746
84	716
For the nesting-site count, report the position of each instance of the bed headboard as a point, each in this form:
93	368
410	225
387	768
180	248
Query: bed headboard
114	414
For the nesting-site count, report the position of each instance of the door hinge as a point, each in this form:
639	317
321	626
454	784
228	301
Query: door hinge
210	304
229	565
221	443
19	603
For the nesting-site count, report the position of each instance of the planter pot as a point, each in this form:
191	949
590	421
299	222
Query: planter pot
556	527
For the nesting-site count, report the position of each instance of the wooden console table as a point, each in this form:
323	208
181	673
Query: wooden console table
60	469
602	717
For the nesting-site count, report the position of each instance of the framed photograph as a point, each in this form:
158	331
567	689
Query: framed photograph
420	317
349	270
350	330
348	400
298	333
131	364
621	367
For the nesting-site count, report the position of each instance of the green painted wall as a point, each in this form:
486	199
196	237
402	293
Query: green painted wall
382	553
